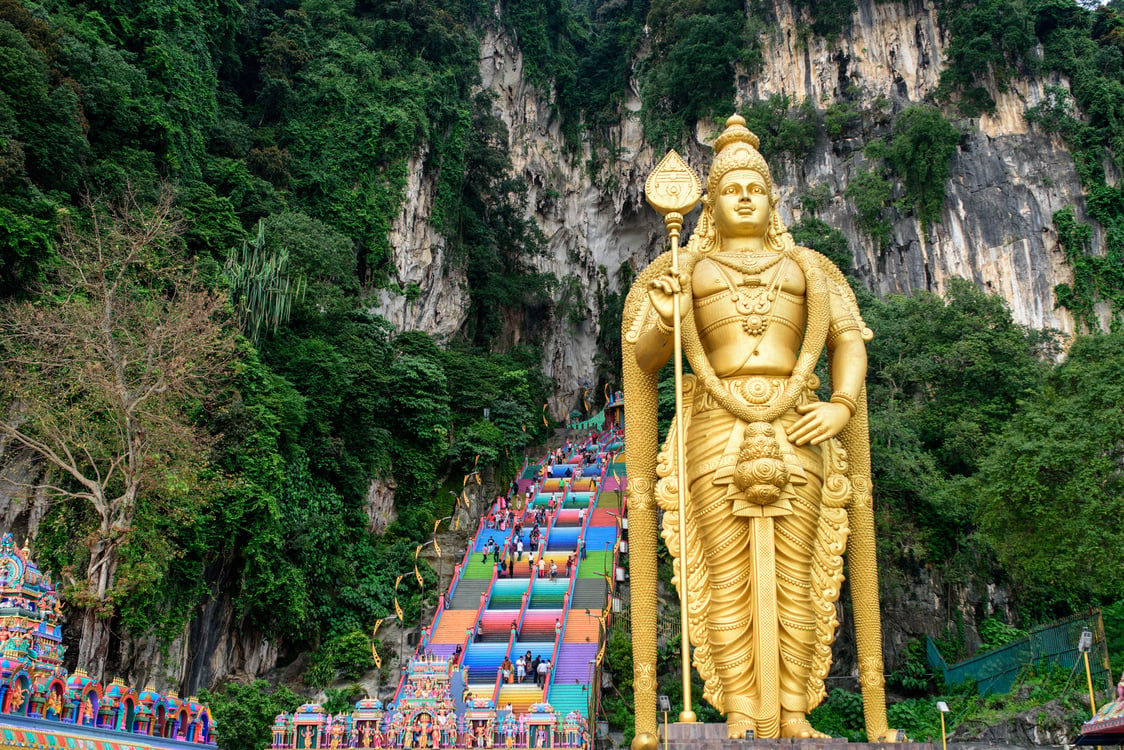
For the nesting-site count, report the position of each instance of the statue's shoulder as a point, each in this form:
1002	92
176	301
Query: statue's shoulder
816	259
845	304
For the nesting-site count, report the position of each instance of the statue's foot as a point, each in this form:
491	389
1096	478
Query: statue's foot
796	726
737	725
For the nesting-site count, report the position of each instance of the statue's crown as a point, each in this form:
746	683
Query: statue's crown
736	148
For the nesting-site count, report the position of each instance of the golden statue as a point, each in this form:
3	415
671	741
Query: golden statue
777	481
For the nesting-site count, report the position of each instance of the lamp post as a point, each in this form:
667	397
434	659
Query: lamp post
665	706
943	708
1084	645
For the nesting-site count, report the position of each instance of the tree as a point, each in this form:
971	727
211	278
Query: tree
1051	490
102	374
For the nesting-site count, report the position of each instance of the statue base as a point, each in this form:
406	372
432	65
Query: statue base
713	737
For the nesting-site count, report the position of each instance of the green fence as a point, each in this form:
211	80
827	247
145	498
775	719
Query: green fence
1054	644
593	423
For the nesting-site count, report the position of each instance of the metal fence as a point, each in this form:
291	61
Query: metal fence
1053	645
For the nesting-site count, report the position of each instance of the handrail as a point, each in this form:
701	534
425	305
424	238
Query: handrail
486	594
499	672
555	651
526	597
458	569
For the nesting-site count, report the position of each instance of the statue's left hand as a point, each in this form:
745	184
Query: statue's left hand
820	421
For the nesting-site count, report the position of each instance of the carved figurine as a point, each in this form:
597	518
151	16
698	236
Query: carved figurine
775	478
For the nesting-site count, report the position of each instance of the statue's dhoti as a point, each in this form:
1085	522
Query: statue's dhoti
765	566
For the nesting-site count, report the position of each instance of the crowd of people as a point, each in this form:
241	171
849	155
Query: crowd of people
524	667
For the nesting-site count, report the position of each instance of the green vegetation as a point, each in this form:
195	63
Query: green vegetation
347	656
870	192
988	37
1060	469
829	17
787	132
920	146
696	47
283	134
841	712
244	713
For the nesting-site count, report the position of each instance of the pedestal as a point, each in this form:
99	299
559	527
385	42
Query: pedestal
713	737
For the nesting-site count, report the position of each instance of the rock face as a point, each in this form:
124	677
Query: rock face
995	226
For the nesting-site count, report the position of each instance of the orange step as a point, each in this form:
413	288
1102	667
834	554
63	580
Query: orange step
582	628
453	624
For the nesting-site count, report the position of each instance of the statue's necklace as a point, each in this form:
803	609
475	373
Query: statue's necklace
753	300
748	266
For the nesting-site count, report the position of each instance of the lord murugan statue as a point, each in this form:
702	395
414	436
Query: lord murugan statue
763	486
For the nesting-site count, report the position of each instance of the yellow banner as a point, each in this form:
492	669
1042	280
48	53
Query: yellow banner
545	421
375	657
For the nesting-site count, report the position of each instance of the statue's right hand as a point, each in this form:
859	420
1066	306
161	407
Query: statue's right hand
662	291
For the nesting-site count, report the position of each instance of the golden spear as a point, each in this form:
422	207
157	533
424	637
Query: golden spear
673	190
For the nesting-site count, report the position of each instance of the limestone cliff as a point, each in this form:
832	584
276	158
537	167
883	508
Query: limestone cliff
995	227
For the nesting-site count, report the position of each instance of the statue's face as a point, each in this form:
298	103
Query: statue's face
742	207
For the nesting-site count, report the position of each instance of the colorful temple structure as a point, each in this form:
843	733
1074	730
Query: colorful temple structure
44	708
552	601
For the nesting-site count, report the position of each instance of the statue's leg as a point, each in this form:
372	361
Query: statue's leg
727	544
795	540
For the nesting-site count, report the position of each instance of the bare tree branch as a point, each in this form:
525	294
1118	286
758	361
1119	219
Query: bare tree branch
99	371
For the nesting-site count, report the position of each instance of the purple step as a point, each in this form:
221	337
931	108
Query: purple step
573	663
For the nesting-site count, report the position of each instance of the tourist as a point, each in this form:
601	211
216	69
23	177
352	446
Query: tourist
535	664
519	549
542	565
487	551
511	566
507	669
553	571
520	669
569	566
581	549
581	516
541	671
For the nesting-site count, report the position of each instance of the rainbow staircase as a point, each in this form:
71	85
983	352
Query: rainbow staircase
491	617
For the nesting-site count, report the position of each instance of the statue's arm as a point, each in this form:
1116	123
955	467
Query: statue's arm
846	348
847	353
653	348
821	420
655	344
